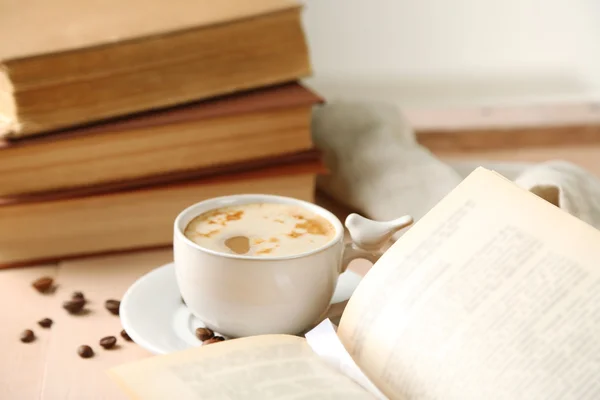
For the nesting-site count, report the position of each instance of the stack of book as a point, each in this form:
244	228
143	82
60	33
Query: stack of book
117	115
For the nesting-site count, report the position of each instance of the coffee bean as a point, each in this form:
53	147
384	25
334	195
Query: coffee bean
204	334
45	323
183	301
85	351
125	336
214	340
77	295
43	284
108	342
112	306
27	336
74	306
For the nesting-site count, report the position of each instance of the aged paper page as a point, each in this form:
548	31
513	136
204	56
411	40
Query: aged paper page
495	294
324	341
260	367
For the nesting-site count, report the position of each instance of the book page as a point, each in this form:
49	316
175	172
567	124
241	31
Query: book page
494	294
260	367
324	341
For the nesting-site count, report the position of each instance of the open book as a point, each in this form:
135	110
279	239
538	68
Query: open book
494	294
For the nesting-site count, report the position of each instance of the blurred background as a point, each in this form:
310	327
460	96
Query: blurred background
435	53
514	80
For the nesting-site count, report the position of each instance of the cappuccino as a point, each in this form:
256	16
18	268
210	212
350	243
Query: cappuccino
261	230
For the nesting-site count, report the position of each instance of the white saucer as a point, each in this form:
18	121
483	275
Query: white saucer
155	318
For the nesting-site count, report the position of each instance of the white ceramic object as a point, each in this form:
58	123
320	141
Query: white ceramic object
370	235
155	318
242	295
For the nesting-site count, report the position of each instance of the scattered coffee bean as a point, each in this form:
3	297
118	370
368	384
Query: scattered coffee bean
77	295
214	340
112	306
125	336
183	301
74	306
85	351
43	284
45	323
27	336
204	334
108	342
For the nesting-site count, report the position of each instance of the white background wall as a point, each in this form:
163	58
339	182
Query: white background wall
431	53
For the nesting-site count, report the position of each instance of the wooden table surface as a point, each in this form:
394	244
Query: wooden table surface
49	367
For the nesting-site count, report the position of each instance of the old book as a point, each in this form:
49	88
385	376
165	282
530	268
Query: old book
259	124
87	222
494	294
71	62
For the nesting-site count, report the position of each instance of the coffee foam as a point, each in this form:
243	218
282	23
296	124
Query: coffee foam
261	229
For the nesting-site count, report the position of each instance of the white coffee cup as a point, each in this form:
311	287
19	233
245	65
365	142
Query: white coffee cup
240	295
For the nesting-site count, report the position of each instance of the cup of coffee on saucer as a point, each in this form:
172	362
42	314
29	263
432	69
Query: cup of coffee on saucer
258	264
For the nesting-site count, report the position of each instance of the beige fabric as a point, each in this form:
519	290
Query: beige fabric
378	168
567	186
376	165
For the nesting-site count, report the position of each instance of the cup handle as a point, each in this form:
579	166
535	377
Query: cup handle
368	237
